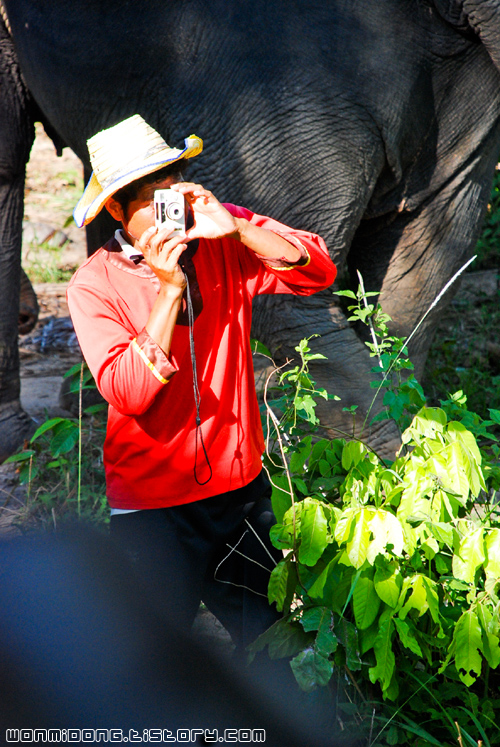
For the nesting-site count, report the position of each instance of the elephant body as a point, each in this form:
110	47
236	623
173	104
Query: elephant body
374	124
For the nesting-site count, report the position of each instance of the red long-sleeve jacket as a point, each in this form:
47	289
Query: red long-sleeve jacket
150	445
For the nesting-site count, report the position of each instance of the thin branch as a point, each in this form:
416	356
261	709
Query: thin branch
370	320
261	542
407	341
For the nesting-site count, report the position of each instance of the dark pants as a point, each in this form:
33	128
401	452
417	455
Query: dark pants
182	555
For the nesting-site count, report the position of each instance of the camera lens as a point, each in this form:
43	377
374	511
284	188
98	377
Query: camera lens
174	211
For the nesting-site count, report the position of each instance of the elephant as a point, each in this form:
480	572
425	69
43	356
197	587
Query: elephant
374	124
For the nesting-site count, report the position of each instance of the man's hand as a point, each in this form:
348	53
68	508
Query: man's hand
162	255
211	219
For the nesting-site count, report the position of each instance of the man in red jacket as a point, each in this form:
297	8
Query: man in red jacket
163	321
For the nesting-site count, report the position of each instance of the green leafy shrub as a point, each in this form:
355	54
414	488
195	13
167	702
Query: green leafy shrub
63	467
389	584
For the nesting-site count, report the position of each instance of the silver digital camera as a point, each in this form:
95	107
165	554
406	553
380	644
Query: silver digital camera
169	205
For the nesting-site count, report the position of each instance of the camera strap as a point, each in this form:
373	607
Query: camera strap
199	432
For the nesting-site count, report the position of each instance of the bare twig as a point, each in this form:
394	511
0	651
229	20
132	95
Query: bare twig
414	332
370	320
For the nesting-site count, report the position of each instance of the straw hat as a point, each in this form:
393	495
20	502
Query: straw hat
122	154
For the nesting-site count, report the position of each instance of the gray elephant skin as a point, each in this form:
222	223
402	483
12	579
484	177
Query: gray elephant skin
373	123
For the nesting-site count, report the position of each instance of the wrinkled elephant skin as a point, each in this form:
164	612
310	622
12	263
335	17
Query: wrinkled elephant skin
28	306
374	124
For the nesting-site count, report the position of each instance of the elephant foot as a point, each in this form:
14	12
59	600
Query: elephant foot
16	427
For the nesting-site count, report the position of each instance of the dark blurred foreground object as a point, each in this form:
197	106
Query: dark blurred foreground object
82	647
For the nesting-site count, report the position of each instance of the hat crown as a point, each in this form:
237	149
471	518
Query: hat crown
119	149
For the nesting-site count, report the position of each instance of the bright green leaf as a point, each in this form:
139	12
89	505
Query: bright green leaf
352	453
492	544
386	530
313	531
359	541
417	599
468	642
365	602
388	582
469	556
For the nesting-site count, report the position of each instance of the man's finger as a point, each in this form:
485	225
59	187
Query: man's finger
146	237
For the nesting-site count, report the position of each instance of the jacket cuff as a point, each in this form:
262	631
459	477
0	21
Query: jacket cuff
284	264
153	357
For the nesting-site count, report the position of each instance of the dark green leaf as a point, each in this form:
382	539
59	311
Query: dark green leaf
311	670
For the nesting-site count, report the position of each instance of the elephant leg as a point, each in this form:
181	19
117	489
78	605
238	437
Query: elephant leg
28	306
282	321
16	138
412	258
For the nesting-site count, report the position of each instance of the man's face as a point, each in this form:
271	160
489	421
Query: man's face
140	213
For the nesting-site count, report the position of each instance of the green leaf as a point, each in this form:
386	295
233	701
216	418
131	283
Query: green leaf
432	598
93	409
313	531
307	404
321	620
468	642
367	637
352	453
492	544
427	422
418	597
386	530
383	670
491	644
259	347
406	634
458	432
23	456
64	439
283	638
298	458
442	532
282	536
277	588
469	556
495	416
346	294
449	465
357	546
47	426
280	498
388	582
348	637
312	618
311	670
326	641
366	602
